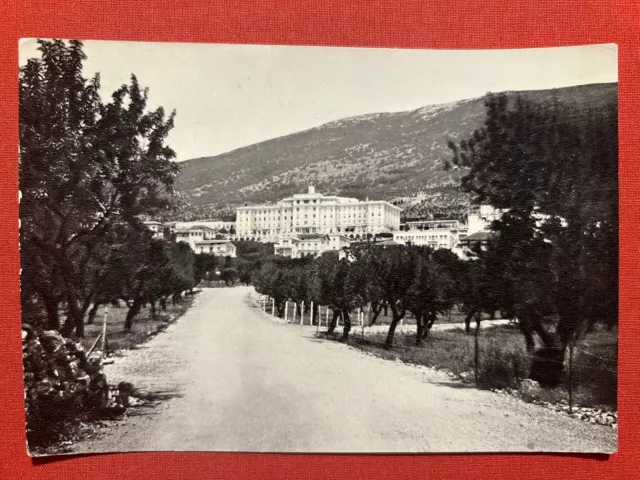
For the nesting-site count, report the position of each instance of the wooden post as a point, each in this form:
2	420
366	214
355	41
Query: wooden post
326	317
368	312
286	311
302	313
273	306
104	331
311	315
476	357
295	310
571	376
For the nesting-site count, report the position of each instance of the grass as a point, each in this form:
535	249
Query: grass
144	326
504	361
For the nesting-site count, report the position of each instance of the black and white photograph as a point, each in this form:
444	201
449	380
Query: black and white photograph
307	249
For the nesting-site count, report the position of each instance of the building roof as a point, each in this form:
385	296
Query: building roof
194	227
214	242
310	236
386	242
152	222
478	237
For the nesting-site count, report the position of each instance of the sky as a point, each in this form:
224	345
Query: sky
230	96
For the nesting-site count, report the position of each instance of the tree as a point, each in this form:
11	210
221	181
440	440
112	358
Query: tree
552	168
333	285
431	293
84	166
391	272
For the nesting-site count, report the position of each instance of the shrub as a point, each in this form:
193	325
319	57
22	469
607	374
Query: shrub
501	364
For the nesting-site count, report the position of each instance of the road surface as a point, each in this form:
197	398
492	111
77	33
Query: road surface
235	379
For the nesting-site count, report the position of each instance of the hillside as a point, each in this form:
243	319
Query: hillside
391	156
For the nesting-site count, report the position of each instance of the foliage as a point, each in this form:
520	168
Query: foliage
552	168
86	168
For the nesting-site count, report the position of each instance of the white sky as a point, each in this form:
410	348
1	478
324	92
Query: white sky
229	96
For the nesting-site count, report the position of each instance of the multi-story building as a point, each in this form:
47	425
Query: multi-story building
315	213
310	244
221	227
222	248
433	233
195	234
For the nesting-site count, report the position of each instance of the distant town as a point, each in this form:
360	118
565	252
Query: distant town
309	224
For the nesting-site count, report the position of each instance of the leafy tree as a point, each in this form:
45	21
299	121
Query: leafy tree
391	272
552	168
84	166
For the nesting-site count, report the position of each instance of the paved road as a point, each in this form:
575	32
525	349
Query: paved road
235	379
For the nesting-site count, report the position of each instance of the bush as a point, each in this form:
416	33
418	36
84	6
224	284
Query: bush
60	383
501	364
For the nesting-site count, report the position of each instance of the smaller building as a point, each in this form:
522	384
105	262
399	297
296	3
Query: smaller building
310	245
156	228
219	248
436	234
192	235
470	242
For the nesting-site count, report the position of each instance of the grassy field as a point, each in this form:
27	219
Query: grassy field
504	361
143	326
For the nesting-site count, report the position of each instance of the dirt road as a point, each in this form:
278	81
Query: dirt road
235	379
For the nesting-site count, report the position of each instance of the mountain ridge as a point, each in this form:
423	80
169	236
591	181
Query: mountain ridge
394	156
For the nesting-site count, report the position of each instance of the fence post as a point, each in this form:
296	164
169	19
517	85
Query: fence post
475	371
104	331
571	375
295	310
311	314
273	307
302	313
326	316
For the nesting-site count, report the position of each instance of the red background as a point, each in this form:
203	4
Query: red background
426	24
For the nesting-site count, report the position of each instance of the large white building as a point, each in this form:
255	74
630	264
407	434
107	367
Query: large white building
315	213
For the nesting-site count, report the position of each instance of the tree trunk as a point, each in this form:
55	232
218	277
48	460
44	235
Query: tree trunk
75	319
92	313
419	328
153	309
51	304
467	321
163	304
334	321
131	314
376	312
429	321
346	320
392	328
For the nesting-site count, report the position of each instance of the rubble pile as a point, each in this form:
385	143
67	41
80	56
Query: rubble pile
61	382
